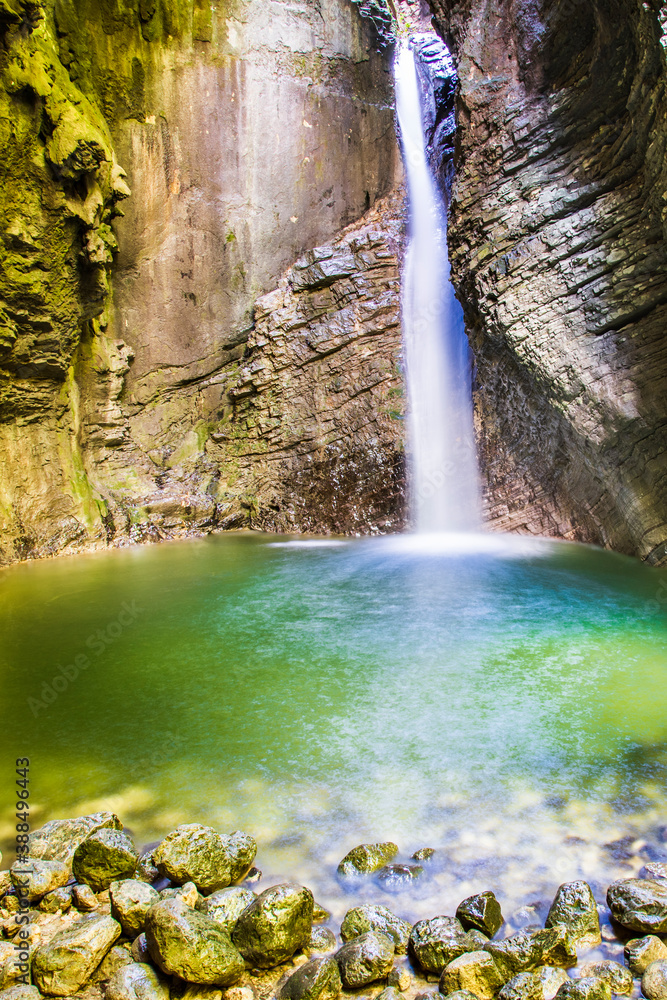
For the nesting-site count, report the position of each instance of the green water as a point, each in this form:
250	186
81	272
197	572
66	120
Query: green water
504	702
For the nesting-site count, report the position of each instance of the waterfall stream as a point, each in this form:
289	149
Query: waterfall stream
444	491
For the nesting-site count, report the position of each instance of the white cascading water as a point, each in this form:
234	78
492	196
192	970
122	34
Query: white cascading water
443	463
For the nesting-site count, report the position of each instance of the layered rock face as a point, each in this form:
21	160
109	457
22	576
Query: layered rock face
557	238
249	133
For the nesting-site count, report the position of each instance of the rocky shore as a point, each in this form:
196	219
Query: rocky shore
83	913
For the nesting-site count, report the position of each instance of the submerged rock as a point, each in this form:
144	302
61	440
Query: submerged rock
574	906
396	878
104	857
130	902
436	942
588	988
524	986
618	977
475	971
424	854
639	904
320	913
226	905
374	917
137	982
59	839
275	925
318	979
365	959
640	952
367	858
526	950
654	980
186	943
480	912
654	870
33	878
65	963
199	854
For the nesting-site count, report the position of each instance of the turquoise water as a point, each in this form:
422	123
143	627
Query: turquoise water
504	701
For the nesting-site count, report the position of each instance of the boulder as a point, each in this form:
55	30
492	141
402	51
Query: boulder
526	950
552	979
574	906
639	904
104	857
186	943
130	902
397	878
275	925
365	959
199	854
20	992
59	839
640	952
654	980
475	971
587	988
322	940
654	870
374	917
226	905
436	942
367	858
58	901
117	956
65	963
137	982
139	950
525	986
318	979
33	878
480	912
618	977
9	968
84	899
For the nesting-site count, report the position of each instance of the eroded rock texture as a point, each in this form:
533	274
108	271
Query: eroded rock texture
250	133
557	238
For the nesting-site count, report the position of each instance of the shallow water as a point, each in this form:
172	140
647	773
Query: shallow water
502	700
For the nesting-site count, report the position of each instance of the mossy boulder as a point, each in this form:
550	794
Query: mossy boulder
365	959
374	917
524	986
436	942
34	878
366	859
586	988
640	952
619	978
186	943
318	979
137	981
59	839
199	854
574	906
106	856
639	904
65	963
275	925
526	950
130	902
480	912
226	905
475	971
322	940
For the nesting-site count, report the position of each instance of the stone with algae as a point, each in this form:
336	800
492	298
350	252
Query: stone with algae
436	942
574	906
375	917
367	858
199	854
318	979
365	959
481	912
639	904
65	963
185	943
275	925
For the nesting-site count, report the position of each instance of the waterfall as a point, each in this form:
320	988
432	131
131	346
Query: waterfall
444	491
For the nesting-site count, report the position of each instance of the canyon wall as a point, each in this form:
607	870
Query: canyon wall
557	235
247	132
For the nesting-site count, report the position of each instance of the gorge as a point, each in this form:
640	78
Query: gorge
227	353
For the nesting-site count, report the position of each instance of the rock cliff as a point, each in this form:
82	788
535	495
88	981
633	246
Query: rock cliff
248	133
558	229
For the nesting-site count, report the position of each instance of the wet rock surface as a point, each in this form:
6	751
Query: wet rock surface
130	903
481	912
640	952
66	962
226	905
574	906
199	854
475	971
188	944
104	857
366	859
365	959
654	980
275	925
316	980
437	942
639	904
375	917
